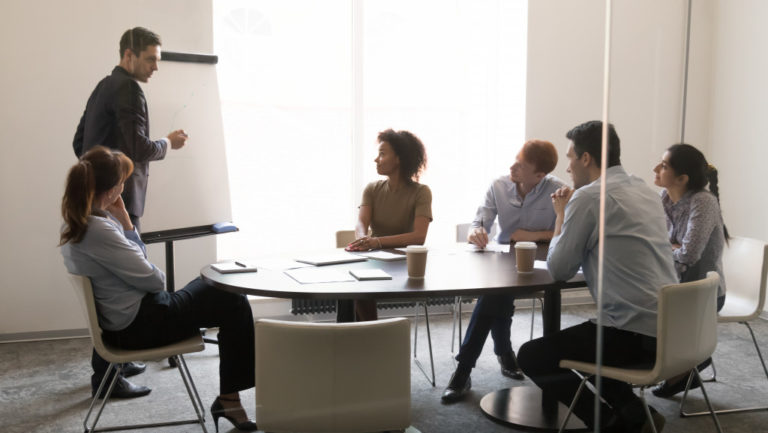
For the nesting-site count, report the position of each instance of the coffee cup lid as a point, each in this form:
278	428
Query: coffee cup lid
526	245
416	248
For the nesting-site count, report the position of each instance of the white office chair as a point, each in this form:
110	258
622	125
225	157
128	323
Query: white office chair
686	336
745	265
462	230
333	377
116	357
343	238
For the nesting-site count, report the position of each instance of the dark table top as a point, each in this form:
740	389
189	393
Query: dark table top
449	272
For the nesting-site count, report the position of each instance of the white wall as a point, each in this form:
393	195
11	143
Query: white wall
739	111
53	55
565	74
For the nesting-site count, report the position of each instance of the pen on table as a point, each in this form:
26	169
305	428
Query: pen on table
241	264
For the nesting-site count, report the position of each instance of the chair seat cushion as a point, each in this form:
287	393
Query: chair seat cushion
738	309
189	345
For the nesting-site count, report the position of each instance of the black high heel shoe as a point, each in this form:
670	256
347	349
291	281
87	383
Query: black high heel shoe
218	411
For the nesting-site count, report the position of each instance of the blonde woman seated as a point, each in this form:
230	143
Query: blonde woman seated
397	210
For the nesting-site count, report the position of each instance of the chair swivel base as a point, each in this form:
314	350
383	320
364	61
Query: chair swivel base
524	407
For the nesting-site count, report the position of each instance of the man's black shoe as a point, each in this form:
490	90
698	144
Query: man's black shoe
668	389
632	419
637	424
658	422
123	389
457	388
133	368
509	367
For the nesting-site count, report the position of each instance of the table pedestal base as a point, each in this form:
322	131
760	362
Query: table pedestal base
522	407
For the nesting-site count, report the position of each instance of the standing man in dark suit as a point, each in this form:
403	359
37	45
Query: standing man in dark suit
116	116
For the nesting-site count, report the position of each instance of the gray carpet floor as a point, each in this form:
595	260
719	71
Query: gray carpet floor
44	386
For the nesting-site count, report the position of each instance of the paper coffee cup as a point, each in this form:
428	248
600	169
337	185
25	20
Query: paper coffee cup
416	258
525	254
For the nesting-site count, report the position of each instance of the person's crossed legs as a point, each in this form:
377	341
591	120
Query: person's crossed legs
492	314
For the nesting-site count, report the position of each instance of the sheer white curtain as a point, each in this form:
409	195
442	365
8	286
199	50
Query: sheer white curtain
306	86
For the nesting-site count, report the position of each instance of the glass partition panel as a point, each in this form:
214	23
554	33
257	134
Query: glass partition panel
688	72
622	63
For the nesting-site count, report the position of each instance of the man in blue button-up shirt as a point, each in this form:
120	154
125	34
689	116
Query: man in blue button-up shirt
523	205
638	262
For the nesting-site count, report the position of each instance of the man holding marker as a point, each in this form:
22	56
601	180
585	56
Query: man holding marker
116	116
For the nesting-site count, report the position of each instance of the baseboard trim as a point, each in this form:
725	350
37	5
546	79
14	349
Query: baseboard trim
21	337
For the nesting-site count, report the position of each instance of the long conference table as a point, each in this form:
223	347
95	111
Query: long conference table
450	272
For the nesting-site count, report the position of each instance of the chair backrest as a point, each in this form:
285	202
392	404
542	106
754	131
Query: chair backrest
463	229
344	237
745	264
333	377
84	291
687	325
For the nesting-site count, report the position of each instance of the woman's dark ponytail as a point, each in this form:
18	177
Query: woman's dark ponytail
715	190
77	202
97	171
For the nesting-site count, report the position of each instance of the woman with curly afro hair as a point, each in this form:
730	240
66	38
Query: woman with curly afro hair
396	210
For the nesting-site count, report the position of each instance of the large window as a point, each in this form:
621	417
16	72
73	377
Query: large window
306	86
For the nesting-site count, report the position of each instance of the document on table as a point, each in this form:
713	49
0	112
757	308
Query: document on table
279	264
334	258
542	264
315	275
490	247
384	255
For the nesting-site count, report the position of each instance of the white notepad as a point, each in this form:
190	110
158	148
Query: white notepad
370	274
233	267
